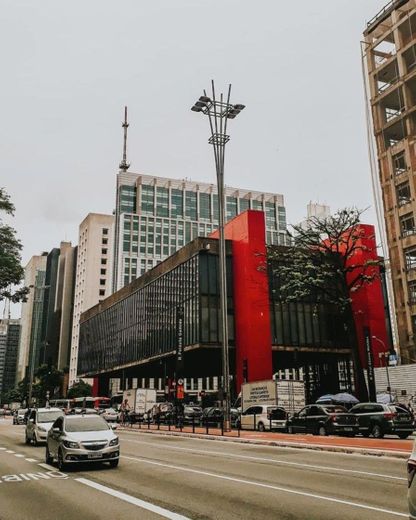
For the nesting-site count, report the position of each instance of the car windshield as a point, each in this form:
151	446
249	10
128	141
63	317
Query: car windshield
399	409
334	409
86	424
276	413
45	417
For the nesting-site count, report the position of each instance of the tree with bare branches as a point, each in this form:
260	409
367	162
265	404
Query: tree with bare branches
324	263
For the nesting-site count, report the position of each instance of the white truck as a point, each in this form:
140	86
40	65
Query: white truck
289	394
140	400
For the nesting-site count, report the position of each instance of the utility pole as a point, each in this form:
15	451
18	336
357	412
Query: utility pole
219	112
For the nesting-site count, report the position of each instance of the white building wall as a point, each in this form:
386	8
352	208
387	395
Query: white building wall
93	279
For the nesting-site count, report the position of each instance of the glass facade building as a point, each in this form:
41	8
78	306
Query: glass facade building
156	216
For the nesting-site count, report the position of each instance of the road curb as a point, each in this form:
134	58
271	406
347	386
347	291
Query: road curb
280	444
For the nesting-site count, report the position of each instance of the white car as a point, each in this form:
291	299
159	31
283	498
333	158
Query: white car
263	417
110	415
411	472
39	423
82	438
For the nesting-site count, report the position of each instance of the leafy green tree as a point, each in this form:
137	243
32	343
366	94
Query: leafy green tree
318	267
47	379
80	389
11	271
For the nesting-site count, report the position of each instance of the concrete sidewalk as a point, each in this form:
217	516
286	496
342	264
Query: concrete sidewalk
396	448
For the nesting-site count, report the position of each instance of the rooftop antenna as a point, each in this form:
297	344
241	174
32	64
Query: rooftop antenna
124	165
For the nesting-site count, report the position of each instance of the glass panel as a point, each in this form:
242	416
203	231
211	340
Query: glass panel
148	198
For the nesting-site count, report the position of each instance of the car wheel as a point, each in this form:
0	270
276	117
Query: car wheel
377	432
48	457
113	463
403	435
322	431
366	434
261	427
61	464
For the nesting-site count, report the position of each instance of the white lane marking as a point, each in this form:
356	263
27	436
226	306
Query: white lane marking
46	466
19	455
133	500
2	448
271	461
31	460
268	486
9	451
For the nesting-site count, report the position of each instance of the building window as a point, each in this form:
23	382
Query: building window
103	261
102	281
231	210
102	292
257	205
176	203
399	163
127	199
162	202
407	224
403	194
271	221
410	258
148	199
244	205
105	241
103	271
190	205
205	206
105	231
104	251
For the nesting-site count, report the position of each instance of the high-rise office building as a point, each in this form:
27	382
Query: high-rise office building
156	216
9	344
31	315
389	57
93	273
315	210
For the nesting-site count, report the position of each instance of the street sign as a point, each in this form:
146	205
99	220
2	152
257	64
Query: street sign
179	341
370	366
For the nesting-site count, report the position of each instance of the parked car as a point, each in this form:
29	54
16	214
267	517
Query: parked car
39	422
378	419
81	438
110	415
411	481
192	414
212	416
323	420
19	416
263	417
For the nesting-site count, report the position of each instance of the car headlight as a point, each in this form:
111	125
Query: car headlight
114	442
70	444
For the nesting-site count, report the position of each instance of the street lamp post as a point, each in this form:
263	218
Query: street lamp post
218	112
385	355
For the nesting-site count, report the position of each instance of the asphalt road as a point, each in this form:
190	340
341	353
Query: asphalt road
181	478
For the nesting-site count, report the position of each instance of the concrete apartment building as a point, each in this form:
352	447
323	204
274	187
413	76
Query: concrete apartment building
31	315
93	279
389	52
156	216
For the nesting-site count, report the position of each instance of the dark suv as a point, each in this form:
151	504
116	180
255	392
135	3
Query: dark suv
323	420
378	419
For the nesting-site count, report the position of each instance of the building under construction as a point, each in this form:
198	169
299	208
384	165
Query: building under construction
389	65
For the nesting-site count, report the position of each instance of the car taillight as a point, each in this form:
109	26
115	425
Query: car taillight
411	470
389	416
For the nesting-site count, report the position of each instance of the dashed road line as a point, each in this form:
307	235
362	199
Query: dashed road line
2	448
19	455
31	460
46	466
165	513
10	451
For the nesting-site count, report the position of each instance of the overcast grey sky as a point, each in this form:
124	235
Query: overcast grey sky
69	68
